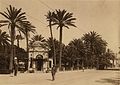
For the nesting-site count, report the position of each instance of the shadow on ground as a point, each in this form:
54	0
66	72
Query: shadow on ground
113	81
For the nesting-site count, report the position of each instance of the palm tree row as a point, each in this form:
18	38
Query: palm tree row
90	50
62	19
95	45
79	52
15	19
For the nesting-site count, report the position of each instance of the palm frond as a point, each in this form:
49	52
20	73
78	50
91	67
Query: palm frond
21	15
18	12
71	19
70	24
1	25
4	21
63	19
9	12
54	23
4	15
66	26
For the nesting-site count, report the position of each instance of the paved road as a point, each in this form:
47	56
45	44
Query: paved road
89	77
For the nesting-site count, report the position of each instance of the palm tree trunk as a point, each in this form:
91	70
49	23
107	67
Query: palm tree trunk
54	54
4	50
27	48
60	54
12	47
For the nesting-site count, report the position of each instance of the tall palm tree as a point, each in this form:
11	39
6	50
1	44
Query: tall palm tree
49	18
89	40
13	18
62	18
26	28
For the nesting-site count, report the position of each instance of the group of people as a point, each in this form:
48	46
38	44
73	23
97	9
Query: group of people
53	70
15	69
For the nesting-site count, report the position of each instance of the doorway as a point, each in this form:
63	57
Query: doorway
39	62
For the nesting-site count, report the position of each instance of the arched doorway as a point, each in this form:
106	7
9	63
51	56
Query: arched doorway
39	62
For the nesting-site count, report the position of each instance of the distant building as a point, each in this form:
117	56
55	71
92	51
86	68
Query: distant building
39	60
116	62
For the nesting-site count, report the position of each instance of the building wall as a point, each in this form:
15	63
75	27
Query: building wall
46	63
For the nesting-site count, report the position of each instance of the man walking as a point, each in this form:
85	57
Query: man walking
53	72
83	68
15	66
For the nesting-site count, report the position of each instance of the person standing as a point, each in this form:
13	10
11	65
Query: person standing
83	68
15	67
53	72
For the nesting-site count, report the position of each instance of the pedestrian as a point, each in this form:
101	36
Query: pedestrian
15	67
83	68
53	72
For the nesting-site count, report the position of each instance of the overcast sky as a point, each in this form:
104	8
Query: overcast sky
102	16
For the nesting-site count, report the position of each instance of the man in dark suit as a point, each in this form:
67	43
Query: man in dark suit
53	71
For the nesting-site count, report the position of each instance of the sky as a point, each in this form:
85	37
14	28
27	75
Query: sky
101	16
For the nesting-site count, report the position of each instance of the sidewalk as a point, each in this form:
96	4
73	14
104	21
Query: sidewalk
78	77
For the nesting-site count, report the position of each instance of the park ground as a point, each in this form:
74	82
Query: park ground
88	77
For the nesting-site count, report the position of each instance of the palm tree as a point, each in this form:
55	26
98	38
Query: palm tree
49	17
90	41
4	40
4	48
26	28
13	19
70	55
49	46
37	38
36	41
79	50
94	45
62	18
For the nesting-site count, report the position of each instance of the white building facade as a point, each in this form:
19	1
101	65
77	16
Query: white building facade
39	60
